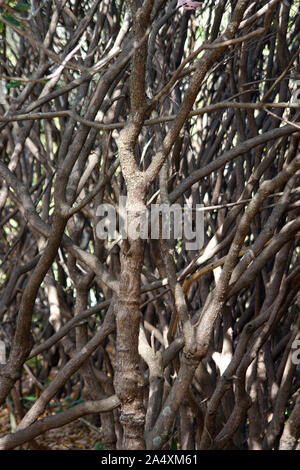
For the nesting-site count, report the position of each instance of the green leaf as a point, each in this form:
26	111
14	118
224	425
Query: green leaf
174	444
1	26
22	6
13	84
33	361
29	398
98	446
12	20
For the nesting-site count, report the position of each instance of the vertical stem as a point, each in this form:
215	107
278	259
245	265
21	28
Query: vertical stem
128	380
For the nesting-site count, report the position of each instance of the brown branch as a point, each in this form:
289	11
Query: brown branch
43	425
